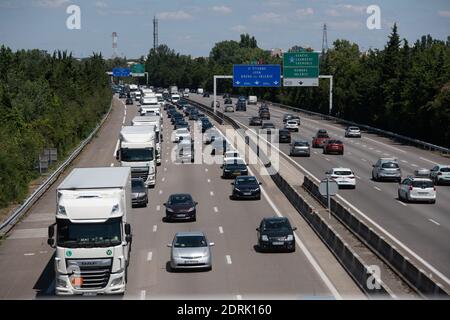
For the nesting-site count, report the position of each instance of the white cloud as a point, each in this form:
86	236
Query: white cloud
345	9
100	4
444	13
222	9
174	15
268	17
51	3
239	28
304	12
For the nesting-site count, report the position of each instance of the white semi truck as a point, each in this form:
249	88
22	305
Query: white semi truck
155	121
91	234
137	148
150	105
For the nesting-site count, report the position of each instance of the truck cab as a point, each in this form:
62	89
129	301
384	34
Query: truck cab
91	235
137	149
152	120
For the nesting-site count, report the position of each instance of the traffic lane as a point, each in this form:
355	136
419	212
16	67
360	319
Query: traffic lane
149	276
25	258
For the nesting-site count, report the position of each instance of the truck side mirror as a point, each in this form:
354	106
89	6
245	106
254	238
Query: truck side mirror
51	242
127	229
51	231
118	155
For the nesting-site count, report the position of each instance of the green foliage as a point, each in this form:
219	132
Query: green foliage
45	101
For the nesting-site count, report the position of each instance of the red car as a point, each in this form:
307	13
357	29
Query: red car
333	146
320	138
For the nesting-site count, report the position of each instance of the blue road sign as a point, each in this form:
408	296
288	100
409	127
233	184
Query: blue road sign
121	72
256	75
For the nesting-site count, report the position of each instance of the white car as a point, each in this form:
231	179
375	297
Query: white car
353	132
292	125
181	134
230	154
175	98
417	189
440	174
343	176
233	160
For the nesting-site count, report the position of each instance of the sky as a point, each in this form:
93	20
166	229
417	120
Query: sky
194	26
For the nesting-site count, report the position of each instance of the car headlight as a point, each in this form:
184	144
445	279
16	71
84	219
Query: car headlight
264	238
191	209
255	190
169	209
290	237
115	209
62	210
237	189
117	281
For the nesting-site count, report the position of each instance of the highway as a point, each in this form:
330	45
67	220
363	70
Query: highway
239	272
423	230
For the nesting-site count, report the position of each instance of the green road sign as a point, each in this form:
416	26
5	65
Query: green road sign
137	68
301	72
301	59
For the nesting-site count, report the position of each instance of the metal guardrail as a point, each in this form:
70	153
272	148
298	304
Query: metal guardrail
415	142
12	219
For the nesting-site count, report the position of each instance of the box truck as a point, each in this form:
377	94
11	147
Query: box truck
91	235
152	121
137	147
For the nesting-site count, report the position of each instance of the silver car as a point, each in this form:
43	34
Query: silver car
300	148
386	169
353	132
190	250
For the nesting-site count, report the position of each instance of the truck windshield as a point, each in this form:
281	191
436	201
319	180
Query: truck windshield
137	154
88	235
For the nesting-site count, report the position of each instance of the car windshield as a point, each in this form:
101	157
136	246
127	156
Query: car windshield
182	131
322	135
292	122
423	184
246	180
235	166
354	128
180	199
268	126
276	224
389	165
190	242
137	185
343	172
445	169
74	235
301	143
137	154
334	142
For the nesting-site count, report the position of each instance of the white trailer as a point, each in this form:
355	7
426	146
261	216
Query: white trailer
137	148
91	234
152	121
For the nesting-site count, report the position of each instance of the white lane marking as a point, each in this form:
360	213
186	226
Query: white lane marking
386	154
414	165
371	148
436	223
403	204
364	145
376	188
206	169
112	164
167	160
28	254
142	294
158	207
209	180
363	159
163	179
165	169
238	297
216	209
327	159
220	230
160	191
115	149
428	160
357	177
228	259
211	193
45	251
149	256
155	228
404	161
123	121
315	152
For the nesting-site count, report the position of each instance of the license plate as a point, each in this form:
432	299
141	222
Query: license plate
90	294
423	192
181	215
236	173
190	261
277	243
247	193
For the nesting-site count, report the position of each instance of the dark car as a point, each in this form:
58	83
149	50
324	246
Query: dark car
139	192
284	136
241	104
267	127
333	146
122	94
226	95
129	101
255	121
276	234
206	125
206	95
227	101
246	187
193	116
181	206
181	124
320	138
264	114
233	168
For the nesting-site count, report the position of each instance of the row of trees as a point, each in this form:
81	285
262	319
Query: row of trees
401	88
45	101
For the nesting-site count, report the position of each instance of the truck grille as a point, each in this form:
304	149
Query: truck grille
139	174
94	272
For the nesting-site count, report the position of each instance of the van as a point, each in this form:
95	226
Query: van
252	100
